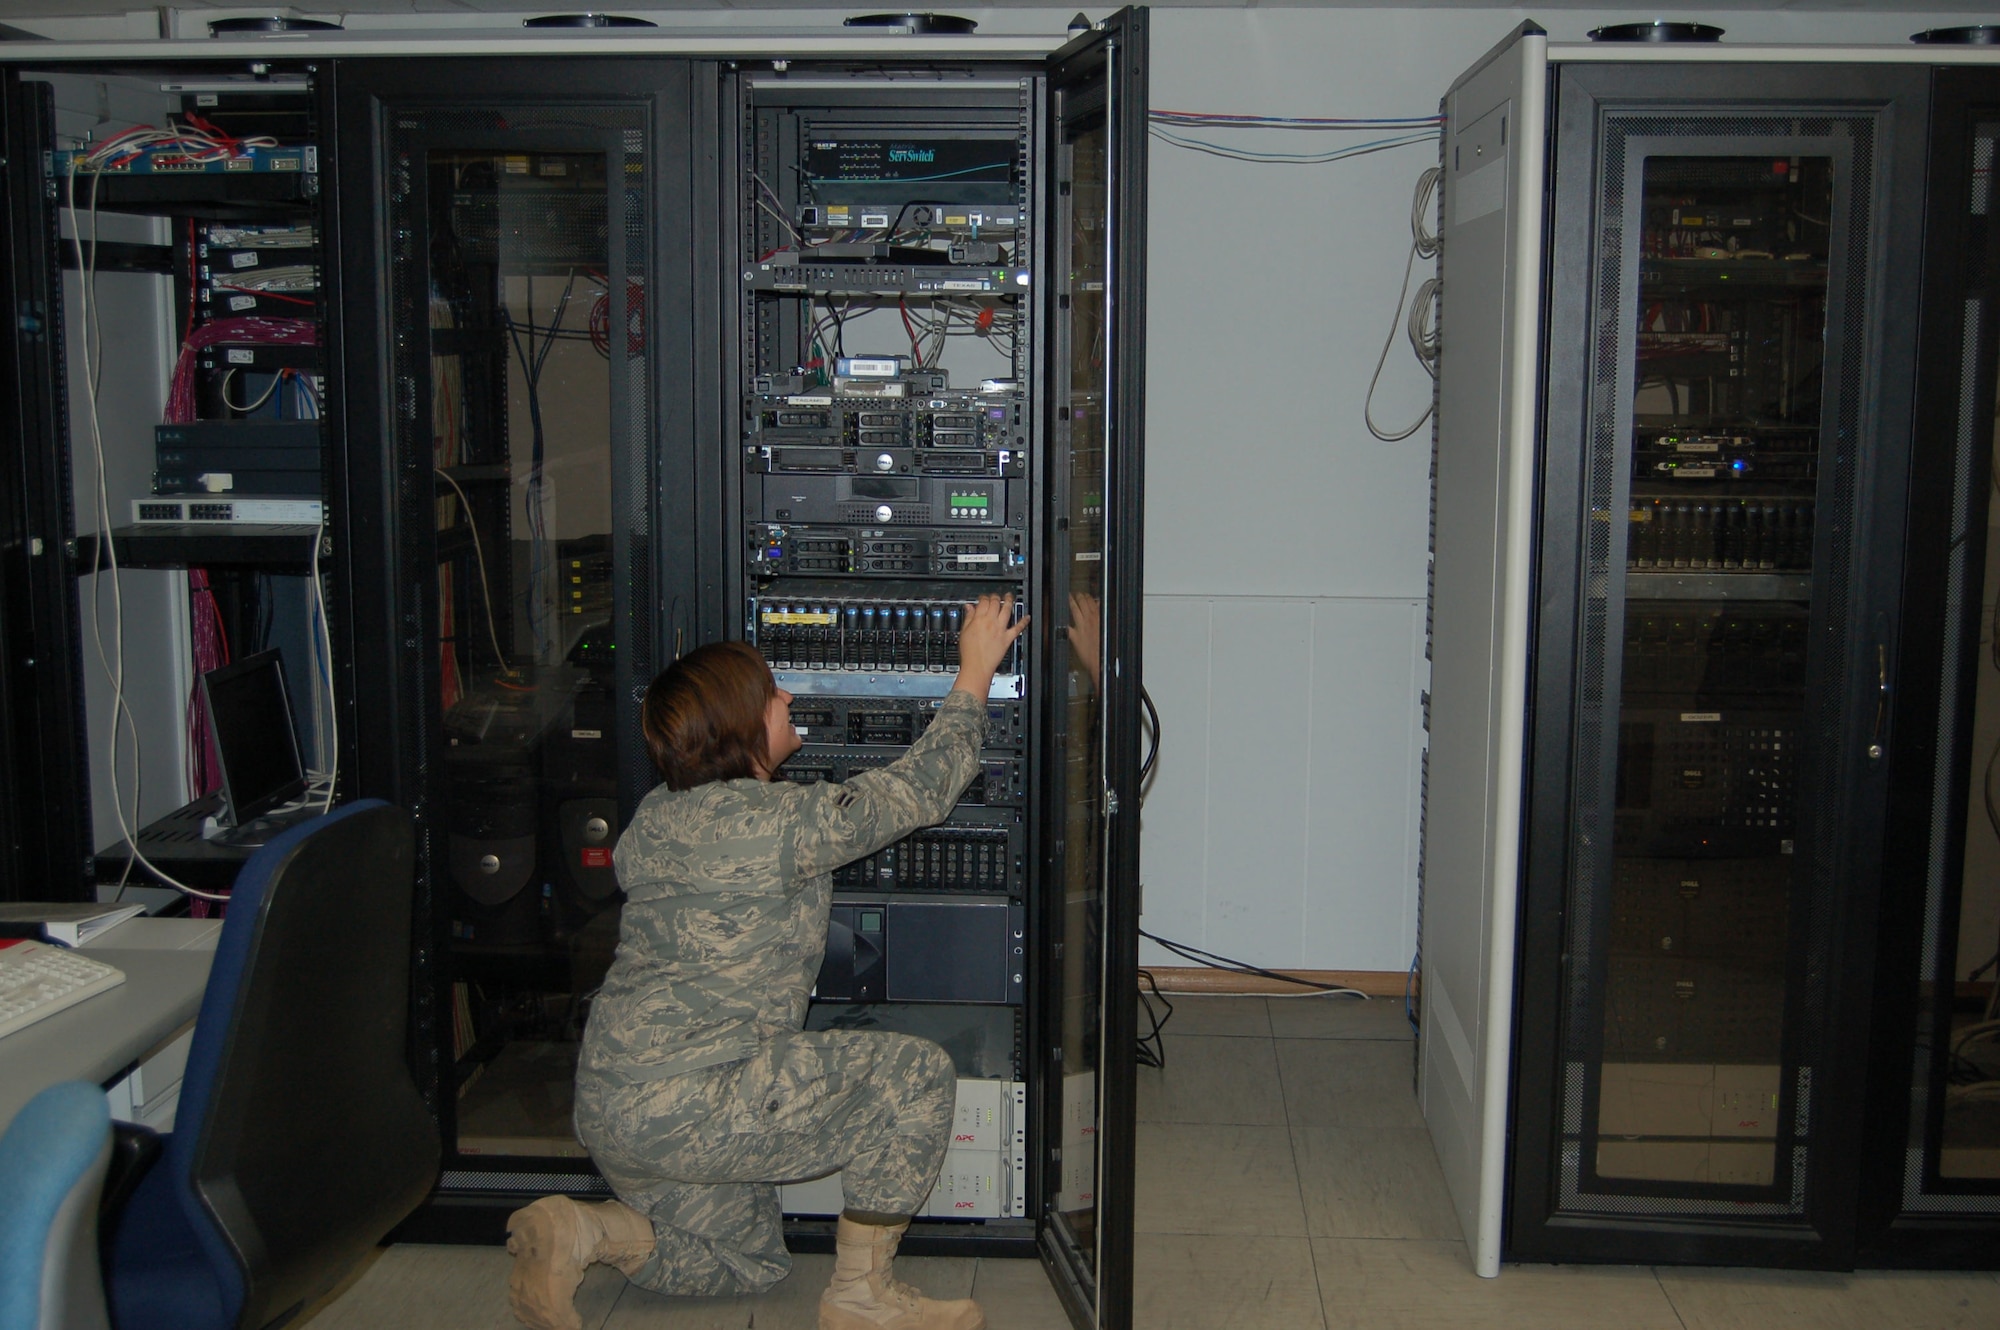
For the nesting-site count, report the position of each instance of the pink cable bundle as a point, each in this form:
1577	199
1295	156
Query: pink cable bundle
236	332
211	651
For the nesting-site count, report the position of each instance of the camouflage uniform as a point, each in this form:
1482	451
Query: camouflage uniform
697	1090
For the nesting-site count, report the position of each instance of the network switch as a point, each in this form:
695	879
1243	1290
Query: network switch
283	512
793	271
178	160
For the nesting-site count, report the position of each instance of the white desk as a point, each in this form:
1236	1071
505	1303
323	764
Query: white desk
114	1038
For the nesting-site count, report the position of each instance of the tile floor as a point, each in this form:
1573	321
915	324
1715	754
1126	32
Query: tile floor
1285	1183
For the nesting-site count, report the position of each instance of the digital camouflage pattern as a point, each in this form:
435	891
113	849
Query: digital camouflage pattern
726	893
698	1153
696	1088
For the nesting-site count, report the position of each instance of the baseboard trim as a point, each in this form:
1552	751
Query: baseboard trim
1201	979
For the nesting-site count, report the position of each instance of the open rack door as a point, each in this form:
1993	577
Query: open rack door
1484	520
1091	592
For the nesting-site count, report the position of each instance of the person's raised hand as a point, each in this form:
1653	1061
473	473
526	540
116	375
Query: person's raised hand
988	630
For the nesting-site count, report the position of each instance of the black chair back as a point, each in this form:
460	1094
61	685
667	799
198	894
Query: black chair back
316	1142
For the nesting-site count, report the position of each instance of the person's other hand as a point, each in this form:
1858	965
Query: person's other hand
1086	632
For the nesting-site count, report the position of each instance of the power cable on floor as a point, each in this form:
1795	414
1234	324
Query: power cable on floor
1210	960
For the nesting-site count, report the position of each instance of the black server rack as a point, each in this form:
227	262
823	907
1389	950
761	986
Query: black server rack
237	246
1747	1027
1720	508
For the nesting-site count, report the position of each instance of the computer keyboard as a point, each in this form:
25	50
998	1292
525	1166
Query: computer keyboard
38	980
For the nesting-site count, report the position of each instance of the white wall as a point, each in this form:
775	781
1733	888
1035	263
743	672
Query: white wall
1285	547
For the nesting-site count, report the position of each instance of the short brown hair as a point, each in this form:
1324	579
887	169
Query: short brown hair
703	717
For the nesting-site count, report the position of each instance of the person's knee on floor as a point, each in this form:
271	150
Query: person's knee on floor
865	1293
554	1240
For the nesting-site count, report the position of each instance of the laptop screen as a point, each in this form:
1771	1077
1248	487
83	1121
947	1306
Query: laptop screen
251	715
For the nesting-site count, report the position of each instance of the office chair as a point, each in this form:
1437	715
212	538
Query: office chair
52	1163
300	1139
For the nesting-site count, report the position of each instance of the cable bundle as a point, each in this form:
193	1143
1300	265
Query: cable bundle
928	329
1398	132
253	331
211	651
532	357
194	138
1211	960
635	318
1422	325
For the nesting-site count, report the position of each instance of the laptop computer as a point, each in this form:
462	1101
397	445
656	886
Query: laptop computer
257	745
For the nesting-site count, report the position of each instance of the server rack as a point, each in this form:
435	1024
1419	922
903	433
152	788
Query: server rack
164	215
1754	541
547	432
1711	730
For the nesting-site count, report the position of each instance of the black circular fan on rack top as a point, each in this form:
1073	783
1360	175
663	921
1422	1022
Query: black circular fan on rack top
1657	32
1978	34
587	21
916	25
269	23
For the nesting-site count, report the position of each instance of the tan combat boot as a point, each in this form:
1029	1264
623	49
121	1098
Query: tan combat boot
864	1294
553	1240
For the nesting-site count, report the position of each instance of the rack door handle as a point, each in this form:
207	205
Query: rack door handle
1875	748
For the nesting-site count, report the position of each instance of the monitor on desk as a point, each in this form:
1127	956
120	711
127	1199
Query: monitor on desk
250	714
